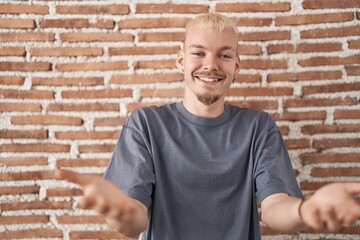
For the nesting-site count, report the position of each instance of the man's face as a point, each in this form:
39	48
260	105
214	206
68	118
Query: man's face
209	61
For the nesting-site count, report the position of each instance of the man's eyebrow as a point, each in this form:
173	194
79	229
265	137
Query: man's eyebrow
202	47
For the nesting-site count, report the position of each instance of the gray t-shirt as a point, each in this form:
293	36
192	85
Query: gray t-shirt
201	178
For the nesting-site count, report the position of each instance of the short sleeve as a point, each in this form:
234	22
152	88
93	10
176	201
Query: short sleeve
131	166
273	172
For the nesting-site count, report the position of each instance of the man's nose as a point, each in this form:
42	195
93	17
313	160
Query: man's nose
211	63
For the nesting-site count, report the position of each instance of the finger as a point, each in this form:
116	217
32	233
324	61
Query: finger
353	187
315	221
85	202
101	205
333	224
71	176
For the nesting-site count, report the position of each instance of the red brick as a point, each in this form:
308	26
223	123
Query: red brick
167	93
304	76
11	80
97	235
12	51
171	8
331	32
313	18
354	44
82	162
310	158
84	107
264	36
161	37
19	190
251	78
132	106
314	4
63	192
353	70
96	37
46	120
335	143
24	9
153	23
317	102
304	47
312	186
24	219
109	121
28	94
35	147
12	134
155	64
17	23
87	135
60	81
249	49
107	93
261	91
25	66
259	22
145	78
23	161
77	23
257	104
253	7
321	129
341	87
264	64
92	66
32	233
20	107
323	61
335	172
82	219
15	206
113	51
344	114
22	176
113	9
27	37
66	51
97	148
298	116
297	143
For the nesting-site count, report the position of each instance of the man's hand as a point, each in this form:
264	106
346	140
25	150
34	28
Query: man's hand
332	207
126	215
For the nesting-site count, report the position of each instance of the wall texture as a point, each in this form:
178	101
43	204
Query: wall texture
71	71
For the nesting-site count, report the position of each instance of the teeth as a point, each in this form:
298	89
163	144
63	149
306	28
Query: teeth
206	79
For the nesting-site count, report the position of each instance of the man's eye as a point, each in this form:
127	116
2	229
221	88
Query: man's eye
197	53
225	56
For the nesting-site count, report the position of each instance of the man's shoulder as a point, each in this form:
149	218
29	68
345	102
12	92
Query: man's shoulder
150	113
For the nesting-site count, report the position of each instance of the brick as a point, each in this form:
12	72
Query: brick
27	37
258	22
35	147
264	64
354	44
347	114
23	161
324	61
314	4
251	78
26	94
161	37
265	36
22	176
13	134
87	135
17	23
84	107
12	51
77	23
32	233
109	121
164	93
155	64
113	9
261	91
16	206
310	158
322	129
249	49
96	37
304	47
63	192
24	9
313	18
25	66
304	76
171	8
318	102
96	148
297	143
312	186
153	23
145	78
114	51
298	116
107	93
335	143
12	80
46	120
81	219
72	81
253	7
96	235
352	70
134	105
336	172
66	51
341	87
92	66
257	104
82	162
15	190
331	32
20	107
24	219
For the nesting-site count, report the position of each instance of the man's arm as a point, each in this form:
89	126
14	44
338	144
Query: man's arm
126	215
328	209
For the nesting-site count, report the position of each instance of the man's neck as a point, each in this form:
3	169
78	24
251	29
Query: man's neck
202	110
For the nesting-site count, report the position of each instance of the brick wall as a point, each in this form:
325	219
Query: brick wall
71	71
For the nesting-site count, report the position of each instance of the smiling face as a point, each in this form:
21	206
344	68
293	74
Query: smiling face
209	62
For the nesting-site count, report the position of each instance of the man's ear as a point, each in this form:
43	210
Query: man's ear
180	60
237	64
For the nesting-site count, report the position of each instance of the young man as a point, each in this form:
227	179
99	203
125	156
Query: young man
198	169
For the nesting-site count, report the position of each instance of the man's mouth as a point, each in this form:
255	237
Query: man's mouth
209	79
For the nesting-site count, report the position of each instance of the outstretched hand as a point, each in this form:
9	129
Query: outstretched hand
332	207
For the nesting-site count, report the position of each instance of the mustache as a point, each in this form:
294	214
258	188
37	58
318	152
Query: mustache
209	74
